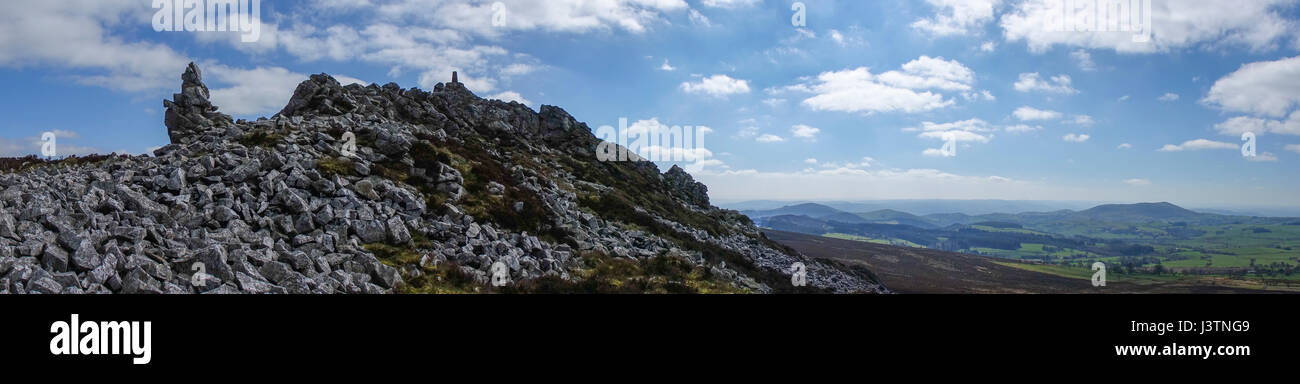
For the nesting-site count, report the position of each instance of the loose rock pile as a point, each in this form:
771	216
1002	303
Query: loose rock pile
438	181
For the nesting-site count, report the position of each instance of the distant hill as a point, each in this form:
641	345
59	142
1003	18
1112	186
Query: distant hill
1137	213
889	216
814	215
809	209
924	207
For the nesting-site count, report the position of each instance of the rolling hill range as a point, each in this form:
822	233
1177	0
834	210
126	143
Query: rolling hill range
1161	241
923	271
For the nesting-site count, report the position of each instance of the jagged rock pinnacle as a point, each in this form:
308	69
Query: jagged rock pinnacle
686	187
190	112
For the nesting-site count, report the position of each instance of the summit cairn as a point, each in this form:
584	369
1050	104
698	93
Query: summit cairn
190	112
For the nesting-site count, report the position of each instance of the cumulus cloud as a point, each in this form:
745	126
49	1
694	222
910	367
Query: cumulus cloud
250	92
728	4
509	96
1076	138
1028	113
1022	128
805	132
1266	157
769	138
1033	82
1268	88
1169	97
667	67
1084	60
717	86
957	17
1197	145
908	90
1256	25
567	16
1241	124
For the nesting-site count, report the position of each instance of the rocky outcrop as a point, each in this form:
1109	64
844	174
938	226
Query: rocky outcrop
442	191
686	187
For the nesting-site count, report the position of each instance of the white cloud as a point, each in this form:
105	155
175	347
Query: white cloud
971	125
860	91
1084	60
699	19
1197	145
1266	157
348	80
746	132
509	96
931	73
1125	146
1031	82
810	161
1083	120
1169	97
1022	128
1076	138
805	132
1257	25
988	47
667	67
1123	98
1270	88
1293	148
76	35
965	131
957	17
1138	182
728	4
774	102
258	91
936	152
1027	113
769	138
568	16
959	136
717	86
856	91
1259	126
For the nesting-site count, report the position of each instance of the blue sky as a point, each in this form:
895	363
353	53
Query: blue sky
853	105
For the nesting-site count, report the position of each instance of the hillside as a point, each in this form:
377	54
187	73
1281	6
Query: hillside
379	189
